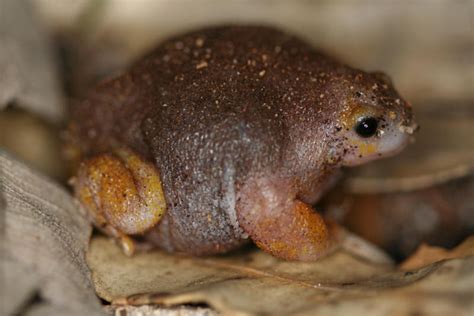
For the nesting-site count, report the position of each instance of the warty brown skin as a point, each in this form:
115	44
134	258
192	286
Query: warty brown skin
245	126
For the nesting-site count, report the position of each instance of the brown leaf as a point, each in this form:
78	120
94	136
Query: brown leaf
427	254
252	282
400	221
154	310
117	276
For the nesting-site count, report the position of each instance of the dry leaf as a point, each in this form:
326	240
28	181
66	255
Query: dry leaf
27	68
427	254
153	310
373	36
44	237
252	282
34	141
400	221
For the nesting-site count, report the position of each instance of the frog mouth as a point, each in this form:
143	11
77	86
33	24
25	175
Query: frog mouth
396	143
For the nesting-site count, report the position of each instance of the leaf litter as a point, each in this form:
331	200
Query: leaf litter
250	282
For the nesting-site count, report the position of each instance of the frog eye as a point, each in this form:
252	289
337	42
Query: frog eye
366	126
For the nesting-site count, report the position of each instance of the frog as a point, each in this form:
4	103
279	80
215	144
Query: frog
229	134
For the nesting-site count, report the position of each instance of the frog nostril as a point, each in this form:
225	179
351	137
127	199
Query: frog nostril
409	129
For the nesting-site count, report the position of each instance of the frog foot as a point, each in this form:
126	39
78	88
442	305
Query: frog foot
122	194
282	225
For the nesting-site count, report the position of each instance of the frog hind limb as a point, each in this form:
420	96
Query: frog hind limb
122	194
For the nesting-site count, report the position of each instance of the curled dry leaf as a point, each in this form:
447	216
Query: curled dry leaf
252	282
34	141
26	63
427	254
44	236
29	89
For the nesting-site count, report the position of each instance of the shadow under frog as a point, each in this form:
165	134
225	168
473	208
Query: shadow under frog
226	134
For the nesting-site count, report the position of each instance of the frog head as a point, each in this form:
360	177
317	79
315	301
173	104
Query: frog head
374	122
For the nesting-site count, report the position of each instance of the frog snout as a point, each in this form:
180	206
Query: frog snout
396	138
409	129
